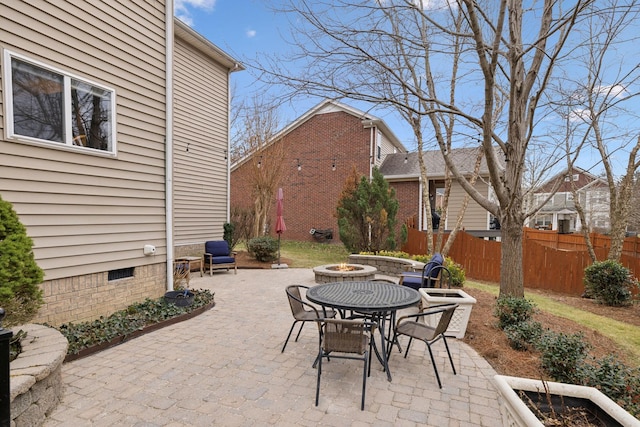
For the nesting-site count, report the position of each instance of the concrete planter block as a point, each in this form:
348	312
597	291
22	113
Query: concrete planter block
436	296
515	412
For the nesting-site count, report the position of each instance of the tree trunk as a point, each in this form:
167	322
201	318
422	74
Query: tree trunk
511	276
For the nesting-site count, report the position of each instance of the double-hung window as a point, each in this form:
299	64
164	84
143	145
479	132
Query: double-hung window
48	106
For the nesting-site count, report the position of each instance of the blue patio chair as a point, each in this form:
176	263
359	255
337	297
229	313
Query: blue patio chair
218	256
433	274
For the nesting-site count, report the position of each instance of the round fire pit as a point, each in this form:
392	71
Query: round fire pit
344	272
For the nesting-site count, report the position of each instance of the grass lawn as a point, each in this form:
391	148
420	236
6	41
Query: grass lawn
310	254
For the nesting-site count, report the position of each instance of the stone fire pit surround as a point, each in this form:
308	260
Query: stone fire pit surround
331	273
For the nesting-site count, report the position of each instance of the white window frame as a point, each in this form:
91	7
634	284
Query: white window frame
67	144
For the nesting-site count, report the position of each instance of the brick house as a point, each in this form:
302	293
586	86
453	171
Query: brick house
316	152
559	212
403	173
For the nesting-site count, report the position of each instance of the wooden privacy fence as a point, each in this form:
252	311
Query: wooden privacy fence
551	261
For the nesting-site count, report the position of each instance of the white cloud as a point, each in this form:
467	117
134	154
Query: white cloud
580	115
251	33
616	91
182	8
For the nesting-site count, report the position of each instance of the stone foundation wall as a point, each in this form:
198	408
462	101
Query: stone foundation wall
385	264
36	375
81	298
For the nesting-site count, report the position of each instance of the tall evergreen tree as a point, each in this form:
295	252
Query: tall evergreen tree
367	214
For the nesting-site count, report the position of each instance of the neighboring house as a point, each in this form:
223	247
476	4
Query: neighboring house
559	213
94	97
317	152
403	172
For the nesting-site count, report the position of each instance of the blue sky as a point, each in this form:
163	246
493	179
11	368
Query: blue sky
244	28
248	28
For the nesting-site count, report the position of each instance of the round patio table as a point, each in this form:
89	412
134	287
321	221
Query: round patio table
379	299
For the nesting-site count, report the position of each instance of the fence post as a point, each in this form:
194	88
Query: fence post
5	390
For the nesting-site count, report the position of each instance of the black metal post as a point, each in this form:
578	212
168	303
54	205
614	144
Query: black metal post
5	390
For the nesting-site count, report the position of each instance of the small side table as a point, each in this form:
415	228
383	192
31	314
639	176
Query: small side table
182	269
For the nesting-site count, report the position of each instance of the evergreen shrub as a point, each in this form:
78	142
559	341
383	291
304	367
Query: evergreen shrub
513	310
609	282
264	248
20	276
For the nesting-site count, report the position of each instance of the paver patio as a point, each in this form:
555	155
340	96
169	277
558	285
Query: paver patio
224	367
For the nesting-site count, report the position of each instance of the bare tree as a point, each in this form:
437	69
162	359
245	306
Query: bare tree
257	124
596	116
344	48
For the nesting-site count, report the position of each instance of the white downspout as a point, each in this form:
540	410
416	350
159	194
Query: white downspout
228	154
371	151
169	141
420	205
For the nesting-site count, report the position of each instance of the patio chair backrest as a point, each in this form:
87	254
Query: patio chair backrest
429	269
295	300
217	248
445	319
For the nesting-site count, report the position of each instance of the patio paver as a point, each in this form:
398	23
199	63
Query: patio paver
224	367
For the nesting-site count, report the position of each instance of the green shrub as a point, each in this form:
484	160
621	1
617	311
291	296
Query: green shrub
421	258
457	272
524	336
230	235
20	276
609	282
121	323
563	355
263	248
513	310
618	381
614	379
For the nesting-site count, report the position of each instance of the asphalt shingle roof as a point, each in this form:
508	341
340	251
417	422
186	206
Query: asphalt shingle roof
464	158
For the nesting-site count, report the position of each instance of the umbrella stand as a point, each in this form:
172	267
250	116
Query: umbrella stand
279	234
278	265
280	226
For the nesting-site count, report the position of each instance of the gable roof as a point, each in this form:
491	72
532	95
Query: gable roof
405	165
585	179
331	106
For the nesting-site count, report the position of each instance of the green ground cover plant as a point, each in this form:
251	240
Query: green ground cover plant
124	322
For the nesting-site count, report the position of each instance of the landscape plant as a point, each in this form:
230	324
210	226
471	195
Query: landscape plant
124	322
609	282
20	276
366	213
230	235
563	356
513	310
263	248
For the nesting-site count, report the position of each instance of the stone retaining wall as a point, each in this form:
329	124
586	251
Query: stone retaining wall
36	375
385	264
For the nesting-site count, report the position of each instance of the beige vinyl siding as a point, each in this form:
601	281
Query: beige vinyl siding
200	121
88	214
387	148
475	216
